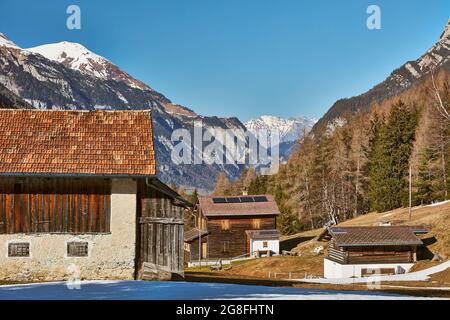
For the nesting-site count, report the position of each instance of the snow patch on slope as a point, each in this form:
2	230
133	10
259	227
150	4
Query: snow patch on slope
5	42
290	129
75	56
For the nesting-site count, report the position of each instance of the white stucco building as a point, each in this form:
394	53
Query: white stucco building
355	252
263	241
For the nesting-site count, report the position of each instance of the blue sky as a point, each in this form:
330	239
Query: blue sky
241	58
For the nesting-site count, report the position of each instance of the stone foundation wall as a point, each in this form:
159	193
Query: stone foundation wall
111	256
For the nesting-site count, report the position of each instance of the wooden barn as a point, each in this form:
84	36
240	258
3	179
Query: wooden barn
229	227
79	198
367	251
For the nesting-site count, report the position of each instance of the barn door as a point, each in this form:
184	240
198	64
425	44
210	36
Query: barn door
160	247
160	252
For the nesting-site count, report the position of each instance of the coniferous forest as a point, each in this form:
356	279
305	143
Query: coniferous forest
361	163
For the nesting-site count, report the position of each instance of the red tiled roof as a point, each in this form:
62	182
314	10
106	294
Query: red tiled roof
374	236
76	142
209	208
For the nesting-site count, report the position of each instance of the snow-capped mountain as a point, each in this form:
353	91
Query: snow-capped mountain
6	42
437	57
77	57
71	83
290	129
69	76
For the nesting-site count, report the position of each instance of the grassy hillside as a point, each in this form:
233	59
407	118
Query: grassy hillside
435	217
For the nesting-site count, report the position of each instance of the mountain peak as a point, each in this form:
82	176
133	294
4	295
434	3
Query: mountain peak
446	32
4	41
73	55
77	57
290	129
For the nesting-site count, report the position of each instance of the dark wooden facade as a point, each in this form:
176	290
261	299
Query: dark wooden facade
371	254
160	244
195	248
226	235
54	205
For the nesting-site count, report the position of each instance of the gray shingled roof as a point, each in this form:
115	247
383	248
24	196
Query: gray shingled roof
263	234
375	236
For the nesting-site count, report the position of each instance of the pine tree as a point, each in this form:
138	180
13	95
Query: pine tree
223	185
194	196
389	159
424	193
286	222
375	163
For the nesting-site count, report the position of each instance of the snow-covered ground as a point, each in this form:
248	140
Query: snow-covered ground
438	203
143	290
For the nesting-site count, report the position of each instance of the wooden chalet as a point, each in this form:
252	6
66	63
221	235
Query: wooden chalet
365	251
228	227
79	197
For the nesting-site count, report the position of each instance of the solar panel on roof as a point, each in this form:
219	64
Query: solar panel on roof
246	199
260	199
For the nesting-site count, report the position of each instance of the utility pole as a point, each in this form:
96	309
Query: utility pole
410	192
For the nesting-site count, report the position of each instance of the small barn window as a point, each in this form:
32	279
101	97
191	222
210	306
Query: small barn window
256	224
225	224
19	249
77	249
265	244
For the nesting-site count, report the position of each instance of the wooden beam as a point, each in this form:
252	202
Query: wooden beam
161	220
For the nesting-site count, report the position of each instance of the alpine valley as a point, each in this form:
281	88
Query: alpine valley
67	75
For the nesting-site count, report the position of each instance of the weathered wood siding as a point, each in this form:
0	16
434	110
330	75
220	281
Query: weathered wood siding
160	232
361	255
235	239
54	205
195	249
